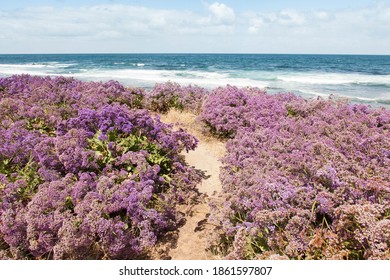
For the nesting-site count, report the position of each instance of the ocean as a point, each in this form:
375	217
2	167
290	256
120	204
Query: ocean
360	78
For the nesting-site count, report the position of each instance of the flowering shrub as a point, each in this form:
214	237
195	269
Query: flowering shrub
308	182
48	100
84	175
228	109
169	95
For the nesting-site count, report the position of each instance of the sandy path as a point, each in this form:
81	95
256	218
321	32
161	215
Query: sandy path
192	238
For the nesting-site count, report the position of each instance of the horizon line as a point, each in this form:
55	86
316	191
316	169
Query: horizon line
191	53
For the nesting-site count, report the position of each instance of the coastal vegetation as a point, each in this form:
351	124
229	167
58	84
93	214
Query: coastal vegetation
89	171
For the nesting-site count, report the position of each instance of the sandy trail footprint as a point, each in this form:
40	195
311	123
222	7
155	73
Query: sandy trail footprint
192	239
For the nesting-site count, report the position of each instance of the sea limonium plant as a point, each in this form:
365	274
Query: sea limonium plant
88	171
85	173
166	96
302	179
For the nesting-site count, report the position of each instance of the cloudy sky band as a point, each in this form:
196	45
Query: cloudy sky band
211	27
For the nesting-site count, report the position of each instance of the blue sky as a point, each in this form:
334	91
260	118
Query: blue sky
224	26
240	5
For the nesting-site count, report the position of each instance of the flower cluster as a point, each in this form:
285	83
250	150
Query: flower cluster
43	101
303	179
227	109
164	97
84	173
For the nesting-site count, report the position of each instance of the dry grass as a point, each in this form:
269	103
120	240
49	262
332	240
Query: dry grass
188	121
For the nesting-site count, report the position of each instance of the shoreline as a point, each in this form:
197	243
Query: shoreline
362	79
373	102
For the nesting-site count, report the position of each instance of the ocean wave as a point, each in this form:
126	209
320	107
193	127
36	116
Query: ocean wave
337	79
373	84
58	64
356	87
141	77
380	100
34	68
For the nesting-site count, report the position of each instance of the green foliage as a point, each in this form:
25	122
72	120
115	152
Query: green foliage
39	124
132	143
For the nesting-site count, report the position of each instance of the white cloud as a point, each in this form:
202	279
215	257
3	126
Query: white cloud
127	28
222	12
345	31
290	17
256	24
322	15
285	18
325	25
112	21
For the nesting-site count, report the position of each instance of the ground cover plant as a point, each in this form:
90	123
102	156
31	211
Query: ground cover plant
166	96
301	179
88	171
227	109
84	173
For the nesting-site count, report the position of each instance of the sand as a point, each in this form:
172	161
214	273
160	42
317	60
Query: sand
191	240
